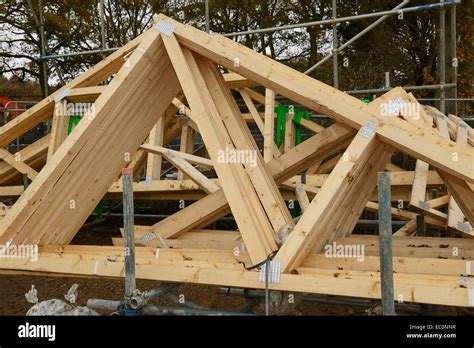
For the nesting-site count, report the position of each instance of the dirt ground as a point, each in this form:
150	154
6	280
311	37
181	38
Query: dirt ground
14	288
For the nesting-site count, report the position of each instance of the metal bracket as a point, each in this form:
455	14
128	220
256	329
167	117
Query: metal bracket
64	93
164	27
424	205
147	238
466	280
148	181
368	130
463	227
274	272
394	106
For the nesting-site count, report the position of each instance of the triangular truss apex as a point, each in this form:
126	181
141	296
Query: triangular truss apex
166	85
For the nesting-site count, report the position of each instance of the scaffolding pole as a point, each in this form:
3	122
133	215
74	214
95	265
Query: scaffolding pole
334	45
385	235
353	39
407	88
454	60
442	58
129	226
345	19
72	54
206	6
102	24
44	66
333	21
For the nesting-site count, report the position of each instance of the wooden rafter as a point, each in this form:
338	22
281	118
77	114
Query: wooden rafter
322	98
55	205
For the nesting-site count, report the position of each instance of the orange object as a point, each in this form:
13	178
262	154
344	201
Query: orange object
3	103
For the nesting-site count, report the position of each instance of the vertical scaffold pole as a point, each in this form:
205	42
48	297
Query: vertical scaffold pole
334	45
385	235
442	58
129	233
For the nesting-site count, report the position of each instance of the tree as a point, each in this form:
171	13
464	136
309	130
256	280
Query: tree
407	47
69	26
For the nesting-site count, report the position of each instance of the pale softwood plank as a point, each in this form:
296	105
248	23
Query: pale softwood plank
248	213
399	244
256	117
235	135
252	109
172	130
408	265
400	180
175	190
187	244
458	200
421	247
262	181
141	90
205	162
439	201
302	197
18	165
329	165
418	192
311	228
234	80
269	127
214	206
441	289
34	155
423	144
313	169
393	168
137	162
308	124
44	108
200	179
414	114
400	183
311	125
337	206
452	123
406	230
59	128
421	256
153	164
289	141
356	200
459	121
463	192
403	178
455	215
11	191
85	94
186	145
408	215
